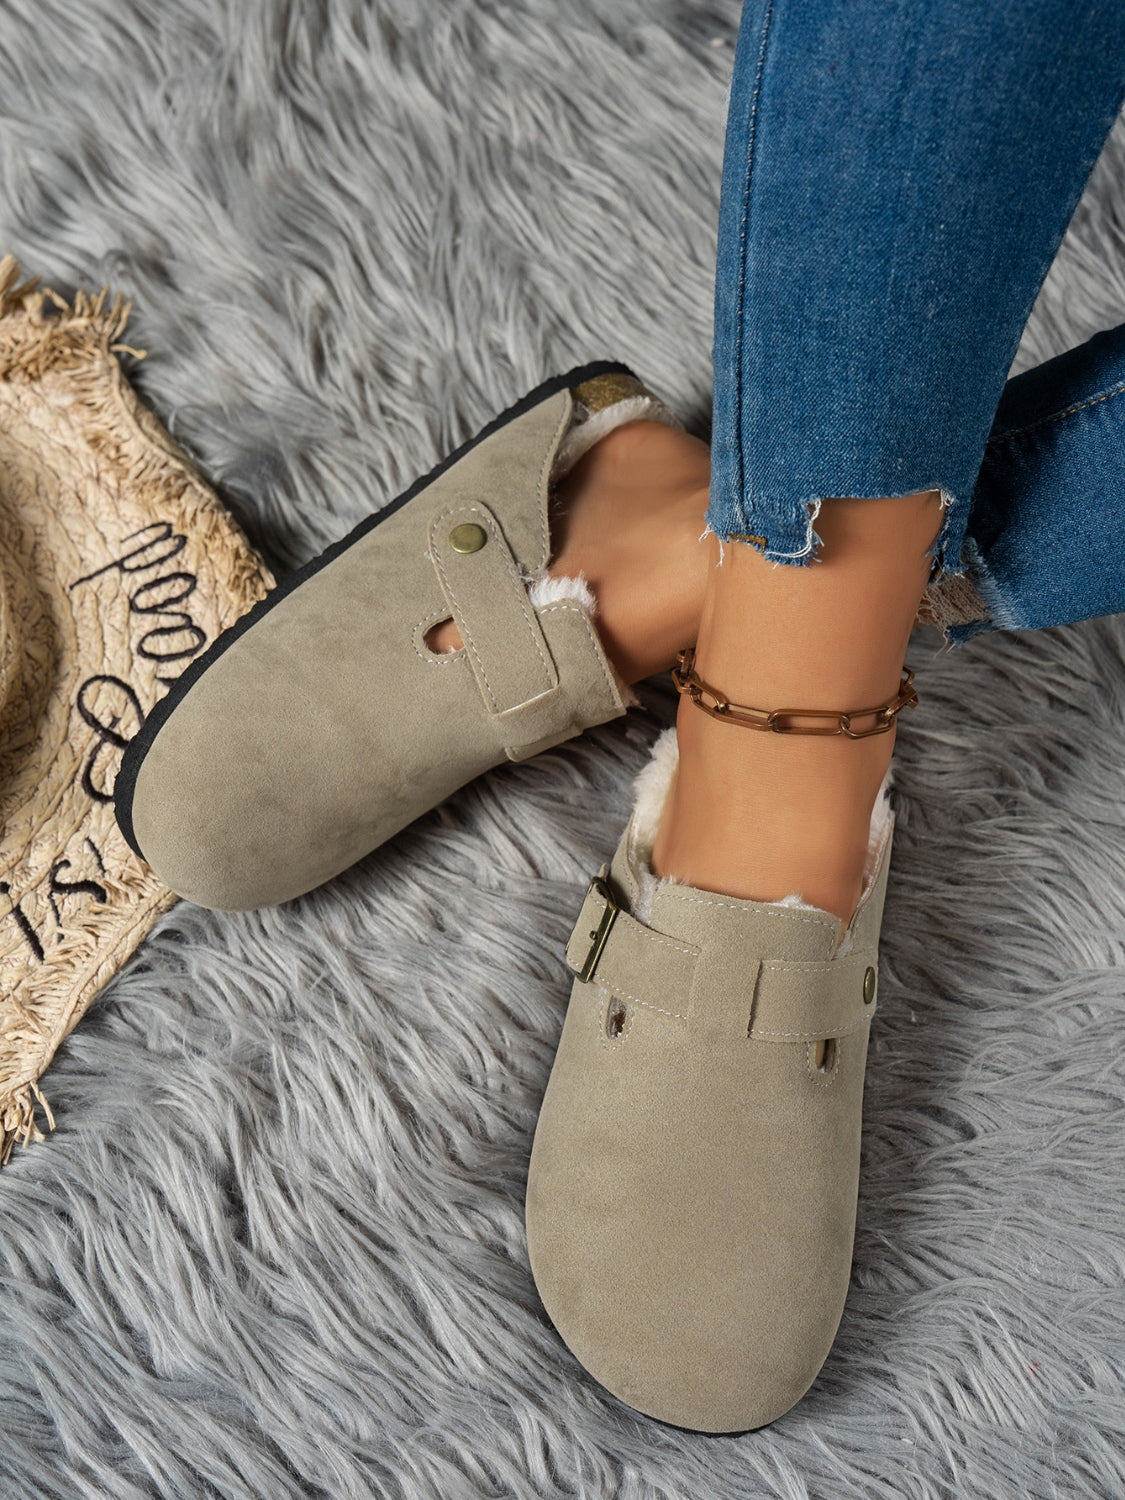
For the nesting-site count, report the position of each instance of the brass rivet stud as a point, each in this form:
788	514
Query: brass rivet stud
869	986
468	537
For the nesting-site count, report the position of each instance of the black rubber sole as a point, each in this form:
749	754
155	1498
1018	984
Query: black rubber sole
161	711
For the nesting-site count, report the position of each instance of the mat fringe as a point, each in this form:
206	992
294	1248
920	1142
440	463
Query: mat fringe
62	331
41	335
17	1119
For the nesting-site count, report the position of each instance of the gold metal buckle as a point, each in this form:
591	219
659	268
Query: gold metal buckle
598	937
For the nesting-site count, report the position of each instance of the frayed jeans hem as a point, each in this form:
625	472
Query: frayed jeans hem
793	538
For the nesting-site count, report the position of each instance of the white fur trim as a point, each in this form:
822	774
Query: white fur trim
652	789
585	432
543	590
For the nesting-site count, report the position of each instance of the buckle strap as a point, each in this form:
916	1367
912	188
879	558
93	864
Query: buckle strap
488	599
599	889
810	1002
611	946
785	1001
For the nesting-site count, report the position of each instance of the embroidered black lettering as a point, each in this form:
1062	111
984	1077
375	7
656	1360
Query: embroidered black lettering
64	888
171	544
157	605
102	703
30	935
185	630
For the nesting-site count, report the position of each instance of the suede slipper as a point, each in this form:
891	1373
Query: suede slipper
321	723
691	1201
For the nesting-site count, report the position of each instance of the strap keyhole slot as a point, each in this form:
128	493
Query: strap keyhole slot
824	1055
617	1013
443	638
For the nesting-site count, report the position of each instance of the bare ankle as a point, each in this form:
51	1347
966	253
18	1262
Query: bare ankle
763	816
629	519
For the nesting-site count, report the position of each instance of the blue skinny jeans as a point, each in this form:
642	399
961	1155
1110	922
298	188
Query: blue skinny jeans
897	178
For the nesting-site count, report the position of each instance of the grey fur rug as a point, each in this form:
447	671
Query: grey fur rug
275	1247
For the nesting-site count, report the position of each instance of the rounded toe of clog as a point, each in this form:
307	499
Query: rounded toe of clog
230	812
201	838
700	1356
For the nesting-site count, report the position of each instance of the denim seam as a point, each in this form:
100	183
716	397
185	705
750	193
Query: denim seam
1058	416
751	143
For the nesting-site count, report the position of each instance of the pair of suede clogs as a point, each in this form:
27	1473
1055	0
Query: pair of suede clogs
692	1191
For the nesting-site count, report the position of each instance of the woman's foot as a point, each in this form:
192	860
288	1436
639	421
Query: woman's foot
629	518
752	815
763	816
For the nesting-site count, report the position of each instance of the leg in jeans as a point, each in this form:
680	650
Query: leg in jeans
897	180
1043	545
898	177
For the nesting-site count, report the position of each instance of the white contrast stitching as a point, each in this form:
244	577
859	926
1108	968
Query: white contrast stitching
655	937
543	490
778	965
434	658
521	589
466	633
599	649
648	1005
813	1036
530	619
478	511
758	911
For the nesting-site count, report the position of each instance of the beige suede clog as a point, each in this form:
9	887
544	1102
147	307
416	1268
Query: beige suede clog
691	1201
321	723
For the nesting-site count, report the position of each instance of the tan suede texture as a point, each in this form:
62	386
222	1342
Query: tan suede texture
328	725
691	1200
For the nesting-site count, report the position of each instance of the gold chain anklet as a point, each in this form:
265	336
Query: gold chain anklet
779	720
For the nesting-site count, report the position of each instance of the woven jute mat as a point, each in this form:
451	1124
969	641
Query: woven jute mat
118	566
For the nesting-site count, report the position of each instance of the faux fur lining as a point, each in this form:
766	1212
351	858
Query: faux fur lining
543	590
586	430
651	790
